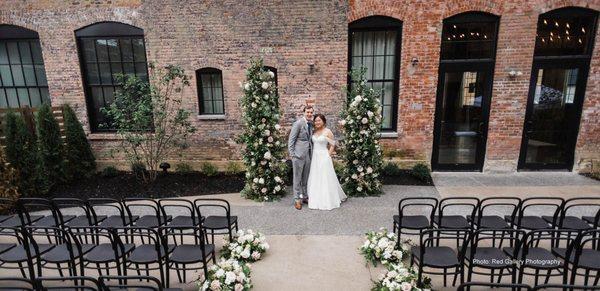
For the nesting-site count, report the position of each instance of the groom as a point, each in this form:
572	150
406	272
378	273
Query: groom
300	150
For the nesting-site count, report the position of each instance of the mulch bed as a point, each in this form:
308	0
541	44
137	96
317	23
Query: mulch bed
405	177
166	185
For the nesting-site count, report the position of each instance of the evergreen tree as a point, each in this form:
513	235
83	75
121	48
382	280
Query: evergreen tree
79	159
51	149
22	153
361	120
264	149
8	178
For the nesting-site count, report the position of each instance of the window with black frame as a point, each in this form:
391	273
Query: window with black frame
22	73
105	50
210	91
375	45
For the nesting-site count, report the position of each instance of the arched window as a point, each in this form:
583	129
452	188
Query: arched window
210	91
105	50
375	45
22	73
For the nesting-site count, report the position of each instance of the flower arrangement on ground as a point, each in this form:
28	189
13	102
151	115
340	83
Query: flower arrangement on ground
227	275
247	246
380	247
400	278
361	122
264	148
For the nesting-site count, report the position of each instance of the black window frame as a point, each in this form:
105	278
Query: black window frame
381	23
106	30
18	34
210	71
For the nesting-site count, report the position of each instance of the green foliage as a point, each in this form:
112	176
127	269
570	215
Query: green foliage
22	153
8	179
209	169
149	117
233	168
339	168
51	149
361	121
391	169
421	172
138	169
79	159
109	172
264	148
183	168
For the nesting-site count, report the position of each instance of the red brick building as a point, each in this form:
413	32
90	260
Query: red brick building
466	85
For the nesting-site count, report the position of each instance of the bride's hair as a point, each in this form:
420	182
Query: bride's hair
322	117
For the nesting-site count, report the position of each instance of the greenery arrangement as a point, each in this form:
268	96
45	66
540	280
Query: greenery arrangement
400	278
50	146
79	159
246	246
264	149
149	118
183	168
22	153
9	179
227	275
209	169
361	122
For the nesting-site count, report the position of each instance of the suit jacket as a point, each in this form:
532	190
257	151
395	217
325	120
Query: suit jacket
299	141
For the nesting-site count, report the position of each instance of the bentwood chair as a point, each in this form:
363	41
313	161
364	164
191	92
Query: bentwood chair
148	211
24	253
116	213
149	253
17	284
68	283
464	205
529	215
186	214
414	223
189	253
88	216
14	214
213	223
584	255
568	221
109	251
54	219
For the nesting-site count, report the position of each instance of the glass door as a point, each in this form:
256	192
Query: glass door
553	115
462	110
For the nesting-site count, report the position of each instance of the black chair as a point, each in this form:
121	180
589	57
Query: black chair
213	223
54	219
415	223
593	220
496	286
116	216
146	283
584	254
17	284
149	253
534	257
187	216
482	254
109	251
68	283
186	254
453	221
150	215
432	255
24	253
88	218
564	287
14	215
496	205
525	219
568	221
66	250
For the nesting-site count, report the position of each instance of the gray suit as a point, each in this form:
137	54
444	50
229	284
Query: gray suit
300	150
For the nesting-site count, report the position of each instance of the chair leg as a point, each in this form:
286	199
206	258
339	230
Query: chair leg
445	283
537	274
597	278
456	271
492	275
587	276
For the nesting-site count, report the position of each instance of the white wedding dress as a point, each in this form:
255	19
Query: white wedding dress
324	190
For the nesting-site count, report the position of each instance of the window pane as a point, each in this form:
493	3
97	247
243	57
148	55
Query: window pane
97	97
3	101
141	71
105	73
25	52
37	52
391	43
45	95
101	49
368	44
207	93
116	69
92	74
387	117
3	54
13	101
390	67
29	75
128	68
379	38
6	75
468	40
356	62
564	34
23	97
216	80
368	63
108	95
208	107
17	73
13	53
126	50
34	95
89	51
357	38
218	94
40	73
218	107
113	50
205	79
378	69
388	91
138	50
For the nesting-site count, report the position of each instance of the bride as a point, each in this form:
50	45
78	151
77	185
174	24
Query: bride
323	186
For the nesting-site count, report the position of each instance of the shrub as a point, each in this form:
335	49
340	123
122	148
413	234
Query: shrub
421	172
109	172
339	168
233	168
391	169
209	169
8	179
183	168
149	117
22	153
79	159
138	169
51	148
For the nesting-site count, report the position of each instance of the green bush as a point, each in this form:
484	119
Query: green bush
8	179
109	172
338	167
79	159
138	169
183	168
22	153
391	169
421	172
50	147
209	169
233	168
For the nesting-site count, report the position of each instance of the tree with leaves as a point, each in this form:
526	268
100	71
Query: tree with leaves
149	117
79	159
50	147
264	148
361	121
22	153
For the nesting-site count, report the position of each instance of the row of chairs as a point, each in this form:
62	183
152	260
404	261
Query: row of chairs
523	287
81	283
104	212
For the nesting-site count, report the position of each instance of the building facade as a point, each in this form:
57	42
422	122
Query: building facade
465	85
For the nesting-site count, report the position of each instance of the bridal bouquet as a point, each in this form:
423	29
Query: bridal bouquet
227	275
247	246
381	247
399	278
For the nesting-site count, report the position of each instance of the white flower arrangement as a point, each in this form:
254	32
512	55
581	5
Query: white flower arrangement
247	246
227	275
380	247
400	278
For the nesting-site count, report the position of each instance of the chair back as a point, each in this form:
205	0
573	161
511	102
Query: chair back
540	205
580	204
76	283
430	203
446	204
496	286
16	284
506	205
147	206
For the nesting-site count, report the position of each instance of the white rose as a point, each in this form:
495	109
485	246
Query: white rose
277	126
230	278
342	122
267	132
354	176
370	114
355	162
360	168
245	254
247	86
215	285
239	287
220	273
265	85
255	255
277	179
261	181
369	170
270	139
255	180
266	97
358	98
406	286
277	188
359	189
267	155
253	105
271	74
263	190
364	120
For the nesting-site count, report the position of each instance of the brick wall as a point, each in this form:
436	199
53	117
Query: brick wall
293	35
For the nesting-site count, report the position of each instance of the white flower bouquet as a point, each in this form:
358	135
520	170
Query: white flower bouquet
399	278
246	246
380	247
227	275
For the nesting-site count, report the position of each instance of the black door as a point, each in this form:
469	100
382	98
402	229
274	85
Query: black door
553	113
462	111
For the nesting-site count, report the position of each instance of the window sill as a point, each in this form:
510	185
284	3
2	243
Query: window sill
389	134
212	117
